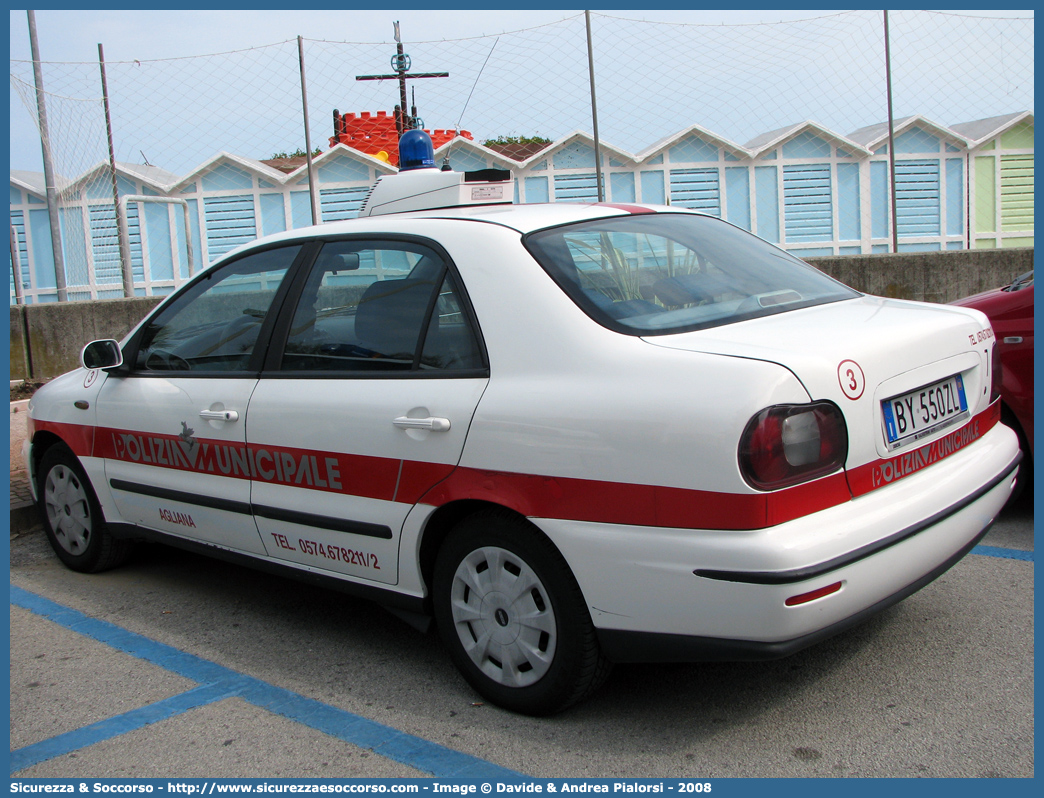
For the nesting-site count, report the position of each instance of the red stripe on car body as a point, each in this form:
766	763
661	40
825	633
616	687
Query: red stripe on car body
78	437
879	473
566	498
638	505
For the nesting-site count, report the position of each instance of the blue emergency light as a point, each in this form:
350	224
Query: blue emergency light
416	151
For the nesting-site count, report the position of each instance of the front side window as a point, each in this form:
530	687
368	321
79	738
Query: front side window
653	274
214	325
379	306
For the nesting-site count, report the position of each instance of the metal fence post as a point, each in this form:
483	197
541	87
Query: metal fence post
308	137
16	268
121	231
594	111
49	177
891	138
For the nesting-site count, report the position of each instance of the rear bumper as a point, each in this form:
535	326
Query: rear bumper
692	595
623	646
832	566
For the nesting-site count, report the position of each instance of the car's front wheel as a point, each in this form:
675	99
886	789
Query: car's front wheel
513	616
72	517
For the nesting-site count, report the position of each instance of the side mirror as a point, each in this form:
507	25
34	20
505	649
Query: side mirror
102	355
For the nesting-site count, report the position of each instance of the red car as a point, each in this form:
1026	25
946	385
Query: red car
1010	310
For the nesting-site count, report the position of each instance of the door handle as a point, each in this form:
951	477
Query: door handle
219	415
433	424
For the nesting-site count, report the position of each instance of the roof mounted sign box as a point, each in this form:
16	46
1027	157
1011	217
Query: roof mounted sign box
430	189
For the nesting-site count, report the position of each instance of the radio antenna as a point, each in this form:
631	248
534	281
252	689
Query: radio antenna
401	63
475	85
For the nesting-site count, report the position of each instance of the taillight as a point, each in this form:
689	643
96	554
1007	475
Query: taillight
995	374
788	444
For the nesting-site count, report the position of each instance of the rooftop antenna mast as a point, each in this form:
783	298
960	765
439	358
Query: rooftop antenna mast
401	63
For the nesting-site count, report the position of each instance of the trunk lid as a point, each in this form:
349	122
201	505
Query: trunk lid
860	352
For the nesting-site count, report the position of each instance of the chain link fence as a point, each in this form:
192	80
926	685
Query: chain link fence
714	93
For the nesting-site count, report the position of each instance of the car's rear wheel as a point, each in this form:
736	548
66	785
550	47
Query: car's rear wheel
72	517
513	616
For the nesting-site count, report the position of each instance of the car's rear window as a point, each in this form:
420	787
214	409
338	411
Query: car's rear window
658	273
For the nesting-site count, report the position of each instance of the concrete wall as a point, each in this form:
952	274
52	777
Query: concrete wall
57	332
19	352
929	276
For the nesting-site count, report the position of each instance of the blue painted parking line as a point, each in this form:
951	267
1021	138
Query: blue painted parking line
1007	554
216	683
117	725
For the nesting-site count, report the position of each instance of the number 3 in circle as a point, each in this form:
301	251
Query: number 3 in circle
851	378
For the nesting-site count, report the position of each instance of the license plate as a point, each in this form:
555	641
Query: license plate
917	414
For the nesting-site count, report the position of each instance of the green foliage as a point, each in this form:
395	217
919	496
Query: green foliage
298	153
617	279
504	140
622	273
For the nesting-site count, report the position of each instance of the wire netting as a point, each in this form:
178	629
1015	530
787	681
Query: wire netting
652	80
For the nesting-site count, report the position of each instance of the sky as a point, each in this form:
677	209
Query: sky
74	35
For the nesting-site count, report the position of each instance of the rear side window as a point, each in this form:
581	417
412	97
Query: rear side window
653	274
380	306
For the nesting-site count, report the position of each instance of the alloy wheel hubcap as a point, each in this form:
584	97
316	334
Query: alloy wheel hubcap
503	617
67	509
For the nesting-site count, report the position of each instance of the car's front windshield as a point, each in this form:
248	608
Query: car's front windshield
658	273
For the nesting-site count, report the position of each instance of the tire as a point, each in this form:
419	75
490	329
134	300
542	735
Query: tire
1025	475
72	516
513	617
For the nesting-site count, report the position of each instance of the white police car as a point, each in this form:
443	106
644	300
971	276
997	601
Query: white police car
572	434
